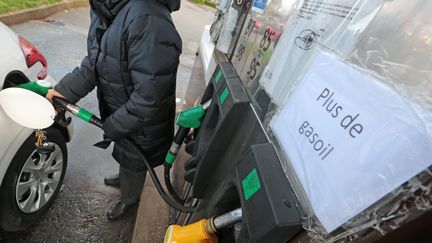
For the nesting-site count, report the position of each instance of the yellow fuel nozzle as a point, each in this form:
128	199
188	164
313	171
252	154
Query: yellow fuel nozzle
203	231
199	232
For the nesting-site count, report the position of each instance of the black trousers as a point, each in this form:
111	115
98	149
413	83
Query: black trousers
131	184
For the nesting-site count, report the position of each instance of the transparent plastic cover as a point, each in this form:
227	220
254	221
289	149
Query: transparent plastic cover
349	87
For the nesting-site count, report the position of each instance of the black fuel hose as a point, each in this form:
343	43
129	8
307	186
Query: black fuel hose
169	200
83	114
169	186
177	142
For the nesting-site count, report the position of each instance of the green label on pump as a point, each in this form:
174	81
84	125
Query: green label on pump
218	76
224	95
251	184
84	115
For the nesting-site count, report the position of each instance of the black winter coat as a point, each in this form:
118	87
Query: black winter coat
133	55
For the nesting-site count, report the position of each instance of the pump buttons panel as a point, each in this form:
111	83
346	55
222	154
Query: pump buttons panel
271	212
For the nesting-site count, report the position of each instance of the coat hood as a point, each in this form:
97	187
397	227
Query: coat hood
173	5
107	9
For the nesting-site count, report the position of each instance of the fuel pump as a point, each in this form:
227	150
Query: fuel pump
234	166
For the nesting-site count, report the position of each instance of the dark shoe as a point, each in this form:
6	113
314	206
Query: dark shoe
112	180
118	210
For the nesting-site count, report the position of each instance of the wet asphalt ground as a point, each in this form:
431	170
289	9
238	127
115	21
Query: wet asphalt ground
79	212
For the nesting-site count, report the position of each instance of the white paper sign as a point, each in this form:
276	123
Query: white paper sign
350	139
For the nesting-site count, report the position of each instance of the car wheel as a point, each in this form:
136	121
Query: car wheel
32	182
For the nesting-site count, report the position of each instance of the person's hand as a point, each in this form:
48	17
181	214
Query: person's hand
53	93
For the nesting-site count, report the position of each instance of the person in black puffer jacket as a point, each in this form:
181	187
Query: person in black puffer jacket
133	56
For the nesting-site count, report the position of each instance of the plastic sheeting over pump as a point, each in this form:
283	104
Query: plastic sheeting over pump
344	90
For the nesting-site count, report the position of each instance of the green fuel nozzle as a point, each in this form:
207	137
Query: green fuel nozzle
79	112
187	119
41	87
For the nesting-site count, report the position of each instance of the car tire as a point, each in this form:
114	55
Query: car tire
30	175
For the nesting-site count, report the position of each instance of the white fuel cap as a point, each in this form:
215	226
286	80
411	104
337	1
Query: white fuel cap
27	108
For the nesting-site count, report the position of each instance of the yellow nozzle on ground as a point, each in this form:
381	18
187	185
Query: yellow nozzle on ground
193	233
